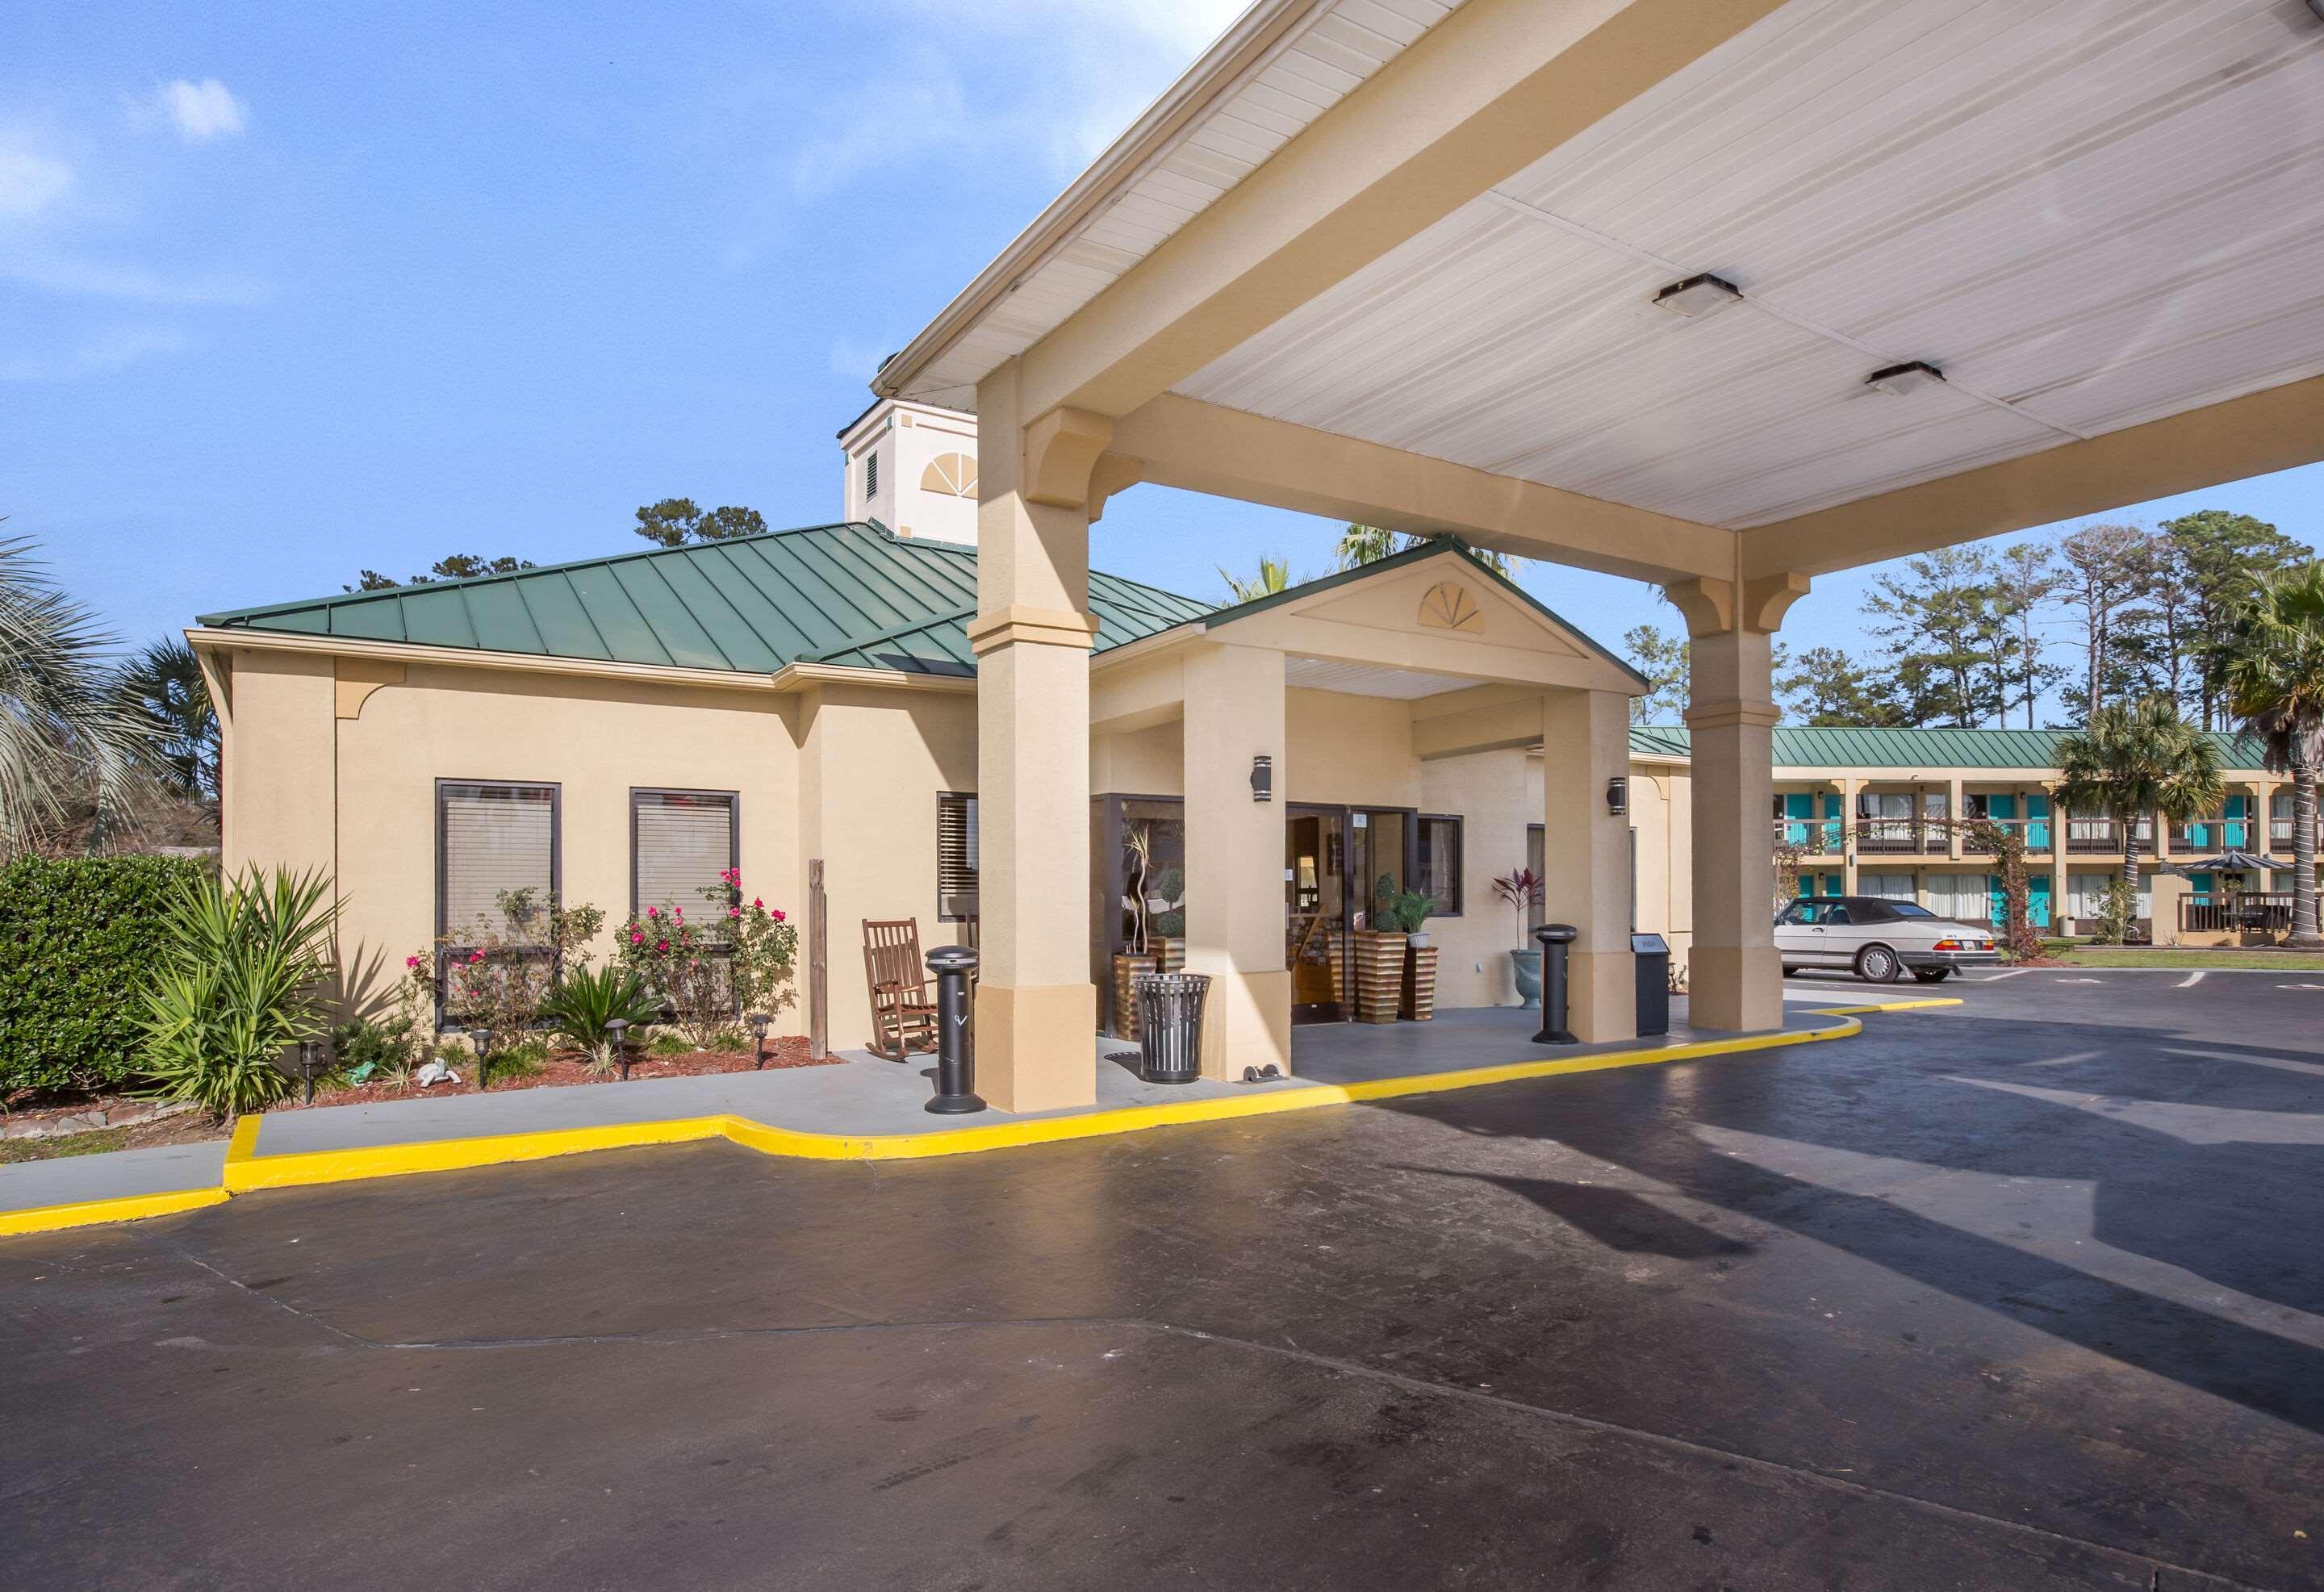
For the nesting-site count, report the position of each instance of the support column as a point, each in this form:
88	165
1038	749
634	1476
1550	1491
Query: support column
1036	1008
1234	857
1849	789
1953	799
2057	857
1736	983
1585	743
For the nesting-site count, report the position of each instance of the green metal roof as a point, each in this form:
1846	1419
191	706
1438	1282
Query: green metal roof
1817	747
852	594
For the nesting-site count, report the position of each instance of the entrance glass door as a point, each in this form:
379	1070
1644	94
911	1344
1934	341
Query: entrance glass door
1315	911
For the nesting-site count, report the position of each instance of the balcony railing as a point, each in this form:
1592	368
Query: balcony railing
2102	837
2279	835
2199	836
1892	837
1897	836
2033	832
1818	837
2257	912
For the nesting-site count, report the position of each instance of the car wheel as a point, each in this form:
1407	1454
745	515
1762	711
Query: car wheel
1876	964
1932	975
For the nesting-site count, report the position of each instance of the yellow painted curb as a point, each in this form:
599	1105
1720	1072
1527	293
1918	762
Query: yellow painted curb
245	1170
48	1219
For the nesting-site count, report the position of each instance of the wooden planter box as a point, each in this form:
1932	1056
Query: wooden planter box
1170	954
1418	995
1125	999
1379	975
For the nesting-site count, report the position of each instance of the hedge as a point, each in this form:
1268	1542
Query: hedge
78	939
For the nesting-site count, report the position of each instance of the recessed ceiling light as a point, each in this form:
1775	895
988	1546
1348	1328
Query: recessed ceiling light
1699	296
1901	379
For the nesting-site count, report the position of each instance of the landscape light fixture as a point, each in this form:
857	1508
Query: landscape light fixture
1699	296
1898	380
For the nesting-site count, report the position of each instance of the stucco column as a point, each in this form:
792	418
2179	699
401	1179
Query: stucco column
1736	983
1849	789
1035	1008
2058	858
1234	857
1585	744
1953	820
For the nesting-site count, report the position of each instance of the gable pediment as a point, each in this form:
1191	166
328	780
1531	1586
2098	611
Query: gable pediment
1436	599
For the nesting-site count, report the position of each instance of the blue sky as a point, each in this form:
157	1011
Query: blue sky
288	291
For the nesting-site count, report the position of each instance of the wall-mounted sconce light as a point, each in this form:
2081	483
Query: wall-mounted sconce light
1262	779
1618	795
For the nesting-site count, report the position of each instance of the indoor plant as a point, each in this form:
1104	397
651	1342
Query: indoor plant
1521	887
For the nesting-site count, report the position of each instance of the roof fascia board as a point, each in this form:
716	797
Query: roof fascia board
1243	51
207	639
1486	92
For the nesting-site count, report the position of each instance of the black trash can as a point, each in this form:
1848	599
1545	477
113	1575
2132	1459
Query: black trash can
1652	954
1170	1024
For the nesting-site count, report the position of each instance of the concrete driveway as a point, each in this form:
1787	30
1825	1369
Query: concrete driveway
2024	1292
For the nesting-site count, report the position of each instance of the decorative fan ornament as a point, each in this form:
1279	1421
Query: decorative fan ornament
1448	605
953	474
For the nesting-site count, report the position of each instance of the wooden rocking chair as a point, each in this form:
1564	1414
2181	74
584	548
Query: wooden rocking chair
903	1006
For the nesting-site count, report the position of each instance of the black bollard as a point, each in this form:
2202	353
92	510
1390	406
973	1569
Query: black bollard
955	1061
1554	938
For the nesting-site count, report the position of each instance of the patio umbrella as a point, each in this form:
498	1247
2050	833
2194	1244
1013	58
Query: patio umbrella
2225	863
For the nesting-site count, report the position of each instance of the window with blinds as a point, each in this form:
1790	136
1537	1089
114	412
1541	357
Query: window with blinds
492	838
956	856
680	842
1440	863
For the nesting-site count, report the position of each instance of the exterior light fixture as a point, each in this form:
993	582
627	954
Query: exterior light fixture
1262	779
310	1056
1898	380
482	1038
1618	795
617	1034
759	1021
1699	296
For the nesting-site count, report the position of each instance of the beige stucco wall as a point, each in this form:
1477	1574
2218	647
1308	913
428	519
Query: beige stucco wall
596	738
872	760
1496	794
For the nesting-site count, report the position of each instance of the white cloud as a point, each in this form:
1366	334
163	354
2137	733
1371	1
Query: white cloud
200	111
29	181
54	271
107	350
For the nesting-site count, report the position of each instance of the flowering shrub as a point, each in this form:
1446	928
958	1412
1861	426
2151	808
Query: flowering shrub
497	976
709	967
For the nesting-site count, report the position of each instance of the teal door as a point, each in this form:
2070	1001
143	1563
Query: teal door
2037	829
1997	904
2199	886
1799	807
2235	833
2037	898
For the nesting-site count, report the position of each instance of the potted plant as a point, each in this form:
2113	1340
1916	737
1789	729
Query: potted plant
1417	990
1381	951
1521	887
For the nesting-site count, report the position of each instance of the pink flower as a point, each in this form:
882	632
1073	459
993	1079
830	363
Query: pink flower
635	937
412	962
758	904
662	945
677	911
476	956
653	912
730	912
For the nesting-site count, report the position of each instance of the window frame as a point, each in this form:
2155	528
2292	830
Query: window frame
555	789
1419	861
733	833
968	804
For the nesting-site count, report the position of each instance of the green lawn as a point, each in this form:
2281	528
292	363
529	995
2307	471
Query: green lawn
2116	956
93	1142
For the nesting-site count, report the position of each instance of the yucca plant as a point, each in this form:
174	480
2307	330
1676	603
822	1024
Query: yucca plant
586	1006
244	969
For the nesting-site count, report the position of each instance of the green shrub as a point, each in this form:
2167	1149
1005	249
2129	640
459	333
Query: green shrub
80	939
246	966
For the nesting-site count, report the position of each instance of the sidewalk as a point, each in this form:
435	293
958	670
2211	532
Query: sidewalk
858	1108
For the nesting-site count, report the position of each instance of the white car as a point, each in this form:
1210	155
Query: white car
1878	939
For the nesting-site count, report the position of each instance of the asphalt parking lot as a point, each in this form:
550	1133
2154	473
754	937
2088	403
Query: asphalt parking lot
2025	1292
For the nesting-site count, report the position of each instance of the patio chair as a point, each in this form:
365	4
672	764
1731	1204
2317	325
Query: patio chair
903	1002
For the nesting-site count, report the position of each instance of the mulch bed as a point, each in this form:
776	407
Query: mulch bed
569	1068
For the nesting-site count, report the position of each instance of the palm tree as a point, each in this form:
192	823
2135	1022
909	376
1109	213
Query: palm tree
65	736
2275	679
1274	575
2139	757
1368	543
163	686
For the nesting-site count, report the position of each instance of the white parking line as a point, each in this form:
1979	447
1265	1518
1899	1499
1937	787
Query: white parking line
2016	972
2189	981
